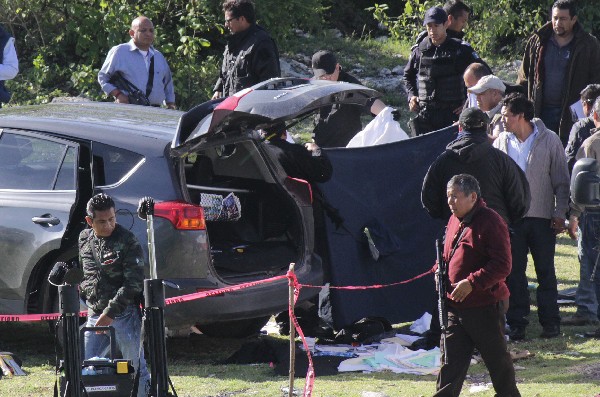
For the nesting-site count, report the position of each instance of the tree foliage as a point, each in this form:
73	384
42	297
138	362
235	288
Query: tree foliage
501	25
62	43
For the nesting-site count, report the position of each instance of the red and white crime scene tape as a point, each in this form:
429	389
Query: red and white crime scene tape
292	281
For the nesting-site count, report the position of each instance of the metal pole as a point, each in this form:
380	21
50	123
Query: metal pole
151	251
154	299
154	295
292	334
68	298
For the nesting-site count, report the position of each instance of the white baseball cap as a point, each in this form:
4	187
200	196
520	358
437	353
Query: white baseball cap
486	83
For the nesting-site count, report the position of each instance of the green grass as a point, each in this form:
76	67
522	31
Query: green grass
565	366
372	55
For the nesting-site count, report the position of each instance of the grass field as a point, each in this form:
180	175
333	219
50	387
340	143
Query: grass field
565	366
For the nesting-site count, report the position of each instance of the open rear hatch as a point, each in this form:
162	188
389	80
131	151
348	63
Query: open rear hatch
258	219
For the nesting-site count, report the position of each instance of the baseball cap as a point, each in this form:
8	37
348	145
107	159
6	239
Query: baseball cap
473	119
436	15
486	83
323	62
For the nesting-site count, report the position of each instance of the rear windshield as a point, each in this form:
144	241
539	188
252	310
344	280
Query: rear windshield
111	163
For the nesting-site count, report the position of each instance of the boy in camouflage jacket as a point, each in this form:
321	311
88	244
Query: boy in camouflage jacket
113	268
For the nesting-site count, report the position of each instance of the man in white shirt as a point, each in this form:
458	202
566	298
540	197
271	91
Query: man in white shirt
9	64
539	153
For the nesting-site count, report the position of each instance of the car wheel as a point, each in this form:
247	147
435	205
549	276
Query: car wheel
234	329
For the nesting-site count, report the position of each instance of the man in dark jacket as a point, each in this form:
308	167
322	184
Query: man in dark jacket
504	185
566	57
477	254
433	76
336	125
308	162
251	55
458	16
582	129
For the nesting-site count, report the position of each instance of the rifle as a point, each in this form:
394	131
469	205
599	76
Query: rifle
135	95
441	276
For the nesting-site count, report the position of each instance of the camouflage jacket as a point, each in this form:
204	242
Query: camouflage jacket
113	278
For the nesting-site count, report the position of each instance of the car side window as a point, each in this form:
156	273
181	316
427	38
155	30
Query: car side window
111	163
32	163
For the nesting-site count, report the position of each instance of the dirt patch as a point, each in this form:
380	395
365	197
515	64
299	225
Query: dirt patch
590	371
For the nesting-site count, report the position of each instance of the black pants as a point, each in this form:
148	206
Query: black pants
433	118
536	236
476	328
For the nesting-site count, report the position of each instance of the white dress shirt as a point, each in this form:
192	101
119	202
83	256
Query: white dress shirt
10	64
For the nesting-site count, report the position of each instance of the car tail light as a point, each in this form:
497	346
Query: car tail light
300	187
182	215
230	103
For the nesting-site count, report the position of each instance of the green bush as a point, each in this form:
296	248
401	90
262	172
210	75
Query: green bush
62	45
494	26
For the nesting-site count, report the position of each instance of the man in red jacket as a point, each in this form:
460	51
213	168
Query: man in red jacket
477	251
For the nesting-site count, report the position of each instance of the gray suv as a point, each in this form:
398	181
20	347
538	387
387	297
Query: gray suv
54	157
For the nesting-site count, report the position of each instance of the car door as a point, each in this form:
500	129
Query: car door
38	191
262	105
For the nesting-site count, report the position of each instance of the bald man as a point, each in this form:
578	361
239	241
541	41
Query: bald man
137	65
471	76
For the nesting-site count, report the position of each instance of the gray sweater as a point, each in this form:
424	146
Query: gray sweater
546	172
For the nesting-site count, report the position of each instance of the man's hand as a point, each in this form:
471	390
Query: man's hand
122	98
413	104
558	224
573	225
216	95
314	149
461	290
104	321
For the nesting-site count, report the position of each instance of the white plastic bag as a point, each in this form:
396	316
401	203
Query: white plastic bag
382	129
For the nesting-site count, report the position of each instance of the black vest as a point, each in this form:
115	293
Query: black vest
439	79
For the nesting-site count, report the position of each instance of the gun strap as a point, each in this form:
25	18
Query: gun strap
150	82
456	242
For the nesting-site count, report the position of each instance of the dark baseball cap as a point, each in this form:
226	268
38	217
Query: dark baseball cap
436	15
473	119
323	62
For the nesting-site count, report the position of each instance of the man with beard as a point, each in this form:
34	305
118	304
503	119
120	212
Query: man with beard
560	60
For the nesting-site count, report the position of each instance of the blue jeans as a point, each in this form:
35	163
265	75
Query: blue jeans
536	236
587	247
128	327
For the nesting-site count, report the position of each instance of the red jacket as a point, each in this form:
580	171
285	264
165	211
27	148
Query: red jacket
482	256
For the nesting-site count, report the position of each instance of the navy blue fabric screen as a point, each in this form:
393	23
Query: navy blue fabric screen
380	187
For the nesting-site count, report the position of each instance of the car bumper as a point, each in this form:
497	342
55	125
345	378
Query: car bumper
256	301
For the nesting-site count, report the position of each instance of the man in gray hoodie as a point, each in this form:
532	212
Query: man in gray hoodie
539	153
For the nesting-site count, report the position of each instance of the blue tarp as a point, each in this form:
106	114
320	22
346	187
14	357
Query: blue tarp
380	187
